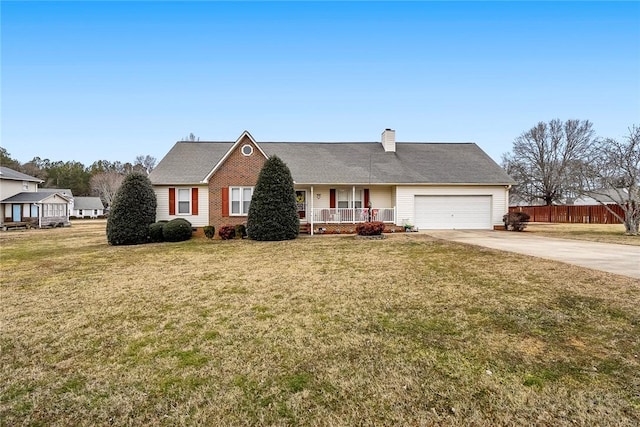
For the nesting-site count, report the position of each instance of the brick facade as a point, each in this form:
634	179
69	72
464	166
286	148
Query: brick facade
237	170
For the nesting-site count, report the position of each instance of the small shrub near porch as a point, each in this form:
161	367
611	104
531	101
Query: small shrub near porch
515	221
373	228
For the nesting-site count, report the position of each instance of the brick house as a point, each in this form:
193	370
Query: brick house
428	185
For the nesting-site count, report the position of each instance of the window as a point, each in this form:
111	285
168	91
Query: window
25	185
240	200
345	199
247	150
184	200
80	212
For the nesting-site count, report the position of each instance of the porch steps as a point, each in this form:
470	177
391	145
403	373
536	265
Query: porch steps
305	228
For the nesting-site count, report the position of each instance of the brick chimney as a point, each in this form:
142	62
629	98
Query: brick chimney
389	140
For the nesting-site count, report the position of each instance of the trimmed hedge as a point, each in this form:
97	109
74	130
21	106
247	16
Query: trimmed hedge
209	231
241	231
177	230
373	228
155	231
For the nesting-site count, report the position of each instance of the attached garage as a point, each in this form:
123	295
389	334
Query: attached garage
453	212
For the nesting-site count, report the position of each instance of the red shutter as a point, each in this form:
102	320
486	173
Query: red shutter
172	201
194	201
332	198
225	201
366	198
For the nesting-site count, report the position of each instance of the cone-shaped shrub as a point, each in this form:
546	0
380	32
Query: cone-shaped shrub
273	214
132	212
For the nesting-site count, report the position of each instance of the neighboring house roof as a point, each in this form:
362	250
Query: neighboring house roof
64	191
605	195
31	197
88	203
344	163
7	173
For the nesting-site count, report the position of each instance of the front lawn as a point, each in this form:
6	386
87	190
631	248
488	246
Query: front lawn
315	331
606	233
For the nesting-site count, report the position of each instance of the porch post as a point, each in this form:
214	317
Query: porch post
353	203
312	211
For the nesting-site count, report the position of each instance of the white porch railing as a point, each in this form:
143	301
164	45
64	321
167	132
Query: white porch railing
353	215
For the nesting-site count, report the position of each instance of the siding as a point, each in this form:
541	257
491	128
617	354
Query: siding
405	198
162	211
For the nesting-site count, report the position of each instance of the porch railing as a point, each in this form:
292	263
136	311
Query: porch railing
353	215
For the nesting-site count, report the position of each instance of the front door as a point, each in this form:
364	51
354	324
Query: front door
301	202
17	213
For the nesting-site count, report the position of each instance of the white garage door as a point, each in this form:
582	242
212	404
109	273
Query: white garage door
453	212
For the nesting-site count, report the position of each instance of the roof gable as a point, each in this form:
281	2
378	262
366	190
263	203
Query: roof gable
34	197
245	138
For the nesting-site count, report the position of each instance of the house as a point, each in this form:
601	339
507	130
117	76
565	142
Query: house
87	207
22	203
427	185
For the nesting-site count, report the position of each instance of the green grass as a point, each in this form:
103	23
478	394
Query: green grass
316	331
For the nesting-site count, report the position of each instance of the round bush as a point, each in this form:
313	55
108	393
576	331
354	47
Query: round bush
209	231
132	212
155	231
177	230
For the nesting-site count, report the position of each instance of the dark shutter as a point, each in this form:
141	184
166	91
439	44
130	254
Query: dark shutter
194	201
332	198
366	198
172	201
225	201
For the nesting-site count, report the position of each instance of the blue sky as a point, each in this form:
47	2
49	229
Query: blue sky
87	81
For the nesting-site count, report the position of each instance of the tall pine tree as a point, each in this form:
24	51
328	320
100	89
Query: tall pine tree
273	214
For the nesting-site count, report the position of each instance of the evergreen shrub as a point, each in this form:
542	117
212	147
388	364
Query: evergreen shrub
132	212
177	230
273	213
155	231
241	231
209	231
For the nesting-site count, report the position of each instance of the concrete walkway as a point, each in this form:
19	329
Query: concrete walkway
609	257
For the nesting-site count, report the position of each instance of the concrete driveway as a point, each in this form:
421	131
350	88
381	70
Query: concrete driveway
612	258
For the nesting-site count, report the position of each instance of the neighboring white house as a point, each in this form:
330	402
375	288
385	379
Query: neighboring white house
87	207
23	203
428	185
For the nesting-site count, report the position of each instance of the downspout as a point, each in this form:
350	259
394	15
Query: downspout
312	211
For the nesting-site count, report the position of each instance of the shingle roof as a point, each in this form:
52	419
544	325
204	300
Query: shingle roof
345	163
29	197
8	173
63	191
87	203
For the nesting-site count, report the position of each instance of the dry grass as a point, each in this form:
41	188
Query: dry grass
606	233
317	331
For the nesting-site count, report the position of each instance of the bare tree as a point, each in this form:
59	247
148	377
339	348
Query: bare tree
145	163
542	159
106	185
191	137
611	175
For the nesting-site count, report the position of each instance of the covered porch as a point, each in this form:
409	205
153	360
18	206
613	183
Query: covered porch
35	210
325	207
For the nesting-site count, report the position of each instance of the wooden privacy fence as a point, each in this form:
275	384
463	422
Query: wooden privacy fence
590	214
